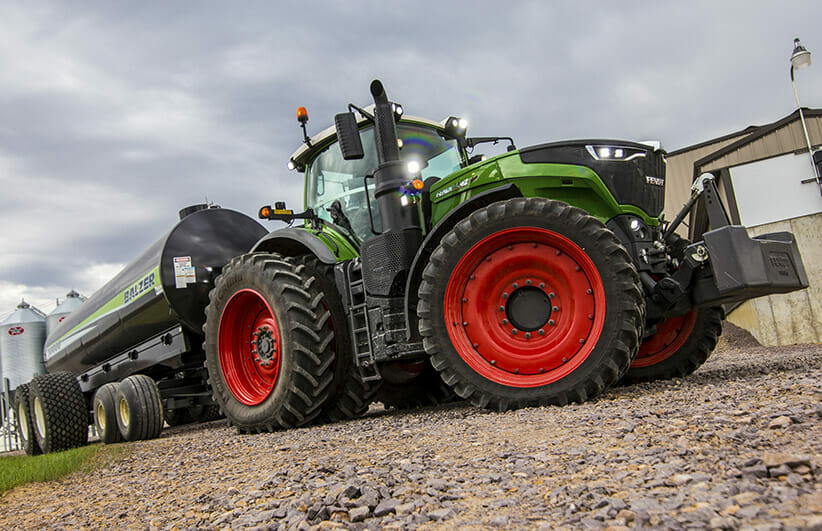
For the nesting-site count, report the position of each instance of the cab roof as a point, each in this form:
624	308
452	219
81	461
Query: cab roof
321	140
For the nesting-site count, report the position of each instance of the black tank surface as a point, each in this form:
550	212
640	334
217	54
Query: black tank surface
164	287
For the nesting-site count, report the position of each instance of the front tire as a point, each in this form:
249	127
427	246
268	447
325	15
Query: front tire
530	301
680	346
25	422
59	411
268	343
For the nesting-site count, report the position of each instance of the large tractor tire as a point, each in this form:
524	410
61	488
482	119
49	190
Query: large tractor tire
105	414
139	408
410	385
530	301
25	422
59	411
679	347
268	343
349	395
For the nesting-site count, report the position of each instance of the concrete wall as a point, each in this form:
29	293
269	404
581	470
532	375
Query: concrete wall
796	317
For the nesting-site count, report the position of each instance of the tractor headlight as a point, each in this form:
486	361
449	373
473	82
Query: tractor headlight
606	152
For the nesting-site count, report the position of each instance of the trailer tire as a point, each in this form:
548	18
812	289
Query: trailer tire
60	412
402	388
679	347
276	302
104	407
139	408
25	423
349	395
530	301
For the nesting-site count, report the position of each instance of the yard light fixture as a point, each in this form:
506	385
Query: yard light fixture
801	58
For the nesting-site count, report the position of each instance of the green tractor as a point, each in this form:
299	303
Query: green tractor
417	272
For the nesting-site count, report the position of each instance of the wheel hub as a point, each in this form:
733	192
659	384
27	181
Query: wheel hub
264	346
528	308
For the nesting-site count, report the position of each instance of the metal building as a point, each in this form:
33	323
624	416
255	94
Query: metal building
22	337
768	183
69	304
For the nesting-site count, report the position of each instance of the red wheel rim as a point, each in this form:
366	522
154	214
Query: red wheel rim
249	345
670	335
524	276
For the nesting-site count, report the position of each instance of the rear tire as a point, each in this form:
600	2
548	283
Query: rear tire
530	301
59	411
105	414
679	347
268	343
139	408
25	422
349	396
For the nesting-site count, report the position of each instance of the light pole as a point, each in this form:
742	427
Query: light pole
801	58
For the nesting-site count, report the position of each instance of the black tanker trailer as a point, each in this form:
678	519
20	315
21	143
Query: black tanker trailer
135	346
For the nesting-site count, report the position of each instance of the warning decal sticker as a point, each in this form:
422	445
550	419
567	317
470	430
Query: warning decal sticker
183	272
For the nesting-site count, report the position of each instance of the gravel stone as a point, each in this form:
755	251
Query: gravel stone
698	452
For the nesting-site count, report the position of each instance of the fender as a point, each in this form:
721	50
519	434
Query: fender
294	242
483	199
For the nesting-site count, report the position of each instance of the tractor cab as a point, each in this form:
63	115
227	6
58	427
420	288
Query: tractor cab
424	145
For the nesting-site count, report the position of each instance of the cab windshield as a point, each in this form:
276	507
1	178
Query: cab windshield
330	177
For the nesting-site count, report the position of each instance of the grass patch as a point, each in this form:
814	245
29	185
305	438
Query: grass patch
19	470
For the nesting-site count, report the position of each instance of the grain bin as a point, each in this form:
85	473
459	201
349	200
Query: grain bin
22	336
72	301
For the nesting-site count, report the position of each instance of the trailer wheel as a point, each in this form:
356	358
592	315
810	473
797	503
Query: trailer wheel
410	385
679	347
530	301
268	343
59	411
139	408
105	414
25	424
349	396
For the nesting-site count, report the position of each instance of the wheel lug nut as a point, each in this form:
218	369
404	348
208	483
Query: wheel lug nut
516	371
552	295
493	362
552	322
578	268
541	331
555	309
502	308
581	341
528	335
528	282
465	323
514	331
472	277
515	285
505	321
542	285
505	295
564	360
589	291
559	253
464	299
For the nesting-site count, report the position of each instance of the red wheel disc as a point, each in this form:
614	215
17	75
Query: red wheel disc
525	307
250	347
670	335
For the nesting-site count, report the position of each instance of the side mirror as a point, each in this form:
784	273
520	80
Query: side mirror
349	136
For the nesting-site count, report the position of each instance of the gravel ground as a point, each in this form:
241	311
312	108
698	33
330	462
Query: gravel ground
736	445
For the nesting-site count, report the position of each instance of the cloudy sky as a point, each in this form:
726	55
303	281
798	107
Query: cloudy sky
114	115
